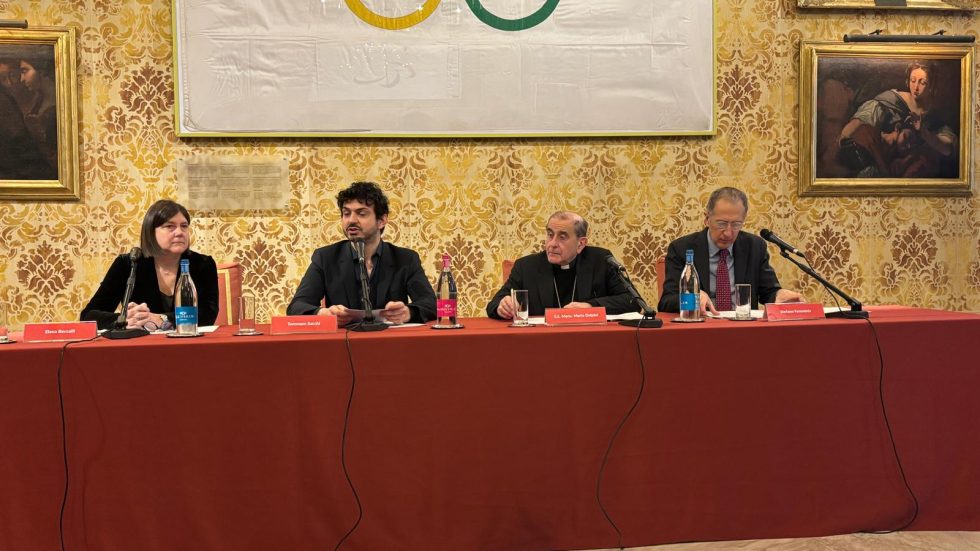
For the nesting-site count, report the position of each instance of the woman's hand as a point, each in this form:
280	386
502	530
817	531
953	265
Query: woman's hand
138	315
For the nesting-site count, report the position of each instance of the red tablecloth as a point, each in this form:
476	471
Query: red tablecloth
492	437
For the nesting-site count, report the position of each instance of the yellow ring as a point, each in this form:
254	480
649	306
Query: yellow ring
392	23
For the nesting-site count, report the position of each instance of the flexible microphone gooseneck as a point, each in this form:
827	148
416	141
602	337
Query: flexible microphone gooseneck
649	320
775	240
785	249
134	255
368	323
119	330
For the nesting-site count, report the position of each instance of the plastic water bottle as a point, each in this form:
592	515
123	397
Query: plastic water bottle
690	288
446	296
185	302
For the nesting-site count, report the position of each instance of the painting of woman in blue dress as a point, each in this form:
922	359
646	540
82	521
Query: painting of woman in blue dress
907	129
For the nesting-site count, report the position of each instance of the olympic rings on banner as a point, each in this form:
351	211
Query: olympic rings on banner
363	13
392	23
520	24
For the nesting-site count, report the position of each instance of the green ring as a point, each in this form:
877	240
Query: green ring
521	24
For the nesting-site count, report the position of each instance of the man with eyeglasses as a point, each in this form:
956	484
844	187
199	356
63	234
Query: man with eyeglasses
722	252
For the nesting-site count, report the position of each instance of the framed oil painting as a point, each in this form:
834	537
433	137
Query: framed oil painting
885	119
38	115
965	5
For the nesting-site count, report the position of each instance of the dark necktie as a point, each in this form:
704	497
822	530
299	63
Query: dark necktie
723	285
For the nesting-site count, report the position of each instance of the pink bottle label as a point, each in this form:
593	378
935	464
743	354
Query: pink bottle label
446	307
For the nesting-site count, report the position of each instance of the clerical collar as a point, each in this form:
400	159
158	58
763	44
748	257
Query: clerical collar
570	266
565	281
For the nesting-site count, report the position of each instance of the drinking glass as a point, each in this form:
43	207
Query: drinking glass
3	324
743	301
519	296
246	316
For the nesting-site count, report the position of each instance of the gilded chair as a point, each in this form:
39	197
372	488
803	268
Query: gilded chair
661	275
229	290
506	266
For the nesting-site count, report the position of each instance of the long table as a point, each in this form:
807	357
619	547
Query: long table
492	437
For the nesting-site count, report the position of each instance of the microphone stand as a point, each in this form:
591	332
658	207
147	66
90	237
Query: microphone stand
649	319
854	313
119	330
368	323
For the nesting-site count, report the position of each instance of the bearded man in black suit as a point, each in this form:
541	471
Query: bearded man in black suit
394	273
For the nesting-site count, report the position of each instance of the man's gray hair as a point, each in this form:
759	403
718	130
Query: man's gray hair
579	223
733	195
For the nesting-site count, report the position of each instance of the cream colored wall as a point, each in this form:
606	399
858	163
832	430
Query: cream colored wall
483	200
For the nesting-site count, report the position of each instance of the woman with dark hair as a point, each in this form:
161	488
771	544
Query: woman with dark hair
165	240
891	113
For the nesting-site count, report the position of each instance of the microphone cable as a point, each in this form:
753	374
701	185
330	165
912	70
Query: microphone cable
891	438
343	443
612	439
884	415
64	440
64	436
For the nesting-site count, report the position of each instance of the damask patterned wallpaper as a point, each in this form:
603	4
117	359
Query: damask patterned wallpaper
483	200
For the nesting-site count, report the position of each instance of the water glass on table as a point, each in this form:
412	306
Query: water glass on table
3	325
519	297
246	316
743	301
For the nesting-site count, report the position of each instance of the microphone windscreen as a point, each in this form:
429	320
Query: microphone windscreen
358	243
765	233
134	254
615	263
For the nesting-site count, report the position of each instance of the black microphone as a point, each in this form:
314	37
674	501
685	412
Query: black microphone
119	330
617	265
785	249
358	244
368	323
649	319
775	240
134	255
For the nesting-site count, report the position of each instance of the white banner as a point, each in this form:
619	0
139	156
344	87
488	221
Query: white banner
445	67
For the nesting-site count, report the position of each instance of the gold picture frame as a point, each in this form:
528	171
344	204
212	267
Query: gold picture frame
39	114
964	5
863	131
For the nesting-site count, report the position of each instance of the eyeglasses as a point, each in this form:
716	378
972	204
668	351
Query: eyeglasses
722	225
